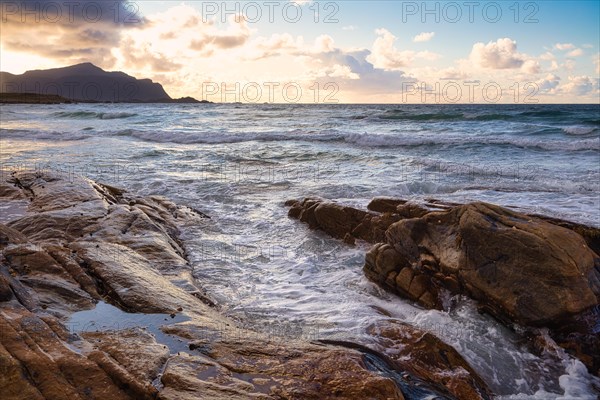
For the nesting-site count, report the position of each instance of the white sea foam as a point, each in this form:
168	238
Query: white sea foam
579	130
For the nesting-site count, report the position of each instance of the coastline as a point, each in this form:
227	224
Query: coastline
35	98
82	244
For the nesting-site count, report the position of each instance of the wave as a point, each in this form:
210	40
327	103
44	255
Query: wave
491	117
93	115
422	117
546	113
579	130
576	141
42	135
376	140
363	139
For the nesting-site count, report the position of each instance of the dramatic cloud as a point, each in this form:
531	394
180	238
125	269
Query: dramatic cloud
179	33
386	56
235	36
424	37
70	32
501	54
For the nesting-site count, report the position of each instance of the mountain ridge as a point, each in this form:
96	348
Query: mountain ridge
86	82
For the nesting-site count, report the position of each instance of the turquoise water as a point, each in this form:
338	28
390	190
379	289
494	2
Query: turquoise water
239	163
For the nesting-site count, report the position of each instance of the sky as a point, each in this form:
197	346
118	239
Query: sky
321	51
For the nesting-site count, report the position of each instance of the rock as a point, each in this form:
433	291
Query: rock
520	268
341	222
424	355
81	242
5	290
9	235
36	363
385	205
136	350
275	369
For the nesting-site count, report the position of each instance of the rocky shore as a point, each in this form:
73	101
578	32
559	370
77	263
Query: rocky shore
70	246
527	271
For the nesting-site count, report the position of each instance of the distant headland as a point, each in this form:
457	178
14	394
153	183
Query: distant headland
82	83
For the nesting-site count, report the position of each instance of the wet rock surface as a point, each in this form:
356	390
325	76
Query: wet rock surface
531	270
81	243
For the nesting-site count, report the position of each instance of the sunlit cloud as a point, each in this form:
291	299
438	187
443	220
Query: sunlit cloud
424	37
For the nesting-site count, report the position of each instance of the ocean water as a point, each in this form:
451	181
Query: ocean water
239	163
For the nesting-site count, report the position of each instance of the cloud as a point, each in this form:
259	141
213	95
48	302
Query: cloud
531	67
548	84
386	56
211	39
140	57
564	46
575	53
501	54
452	74
569	65
580	85
179	33
324	43
373	81
275	45
69	32
424	37
547	56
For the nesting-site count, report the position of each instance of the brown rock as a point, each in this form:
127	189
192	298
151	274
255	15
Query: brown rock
10	236
411	210
424	355
520	268
134	349
385	205
81	242
419	285
404	279
5	290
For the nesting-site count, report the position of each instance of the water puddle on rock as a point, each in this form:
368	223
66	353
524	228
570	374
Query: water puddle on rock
105	317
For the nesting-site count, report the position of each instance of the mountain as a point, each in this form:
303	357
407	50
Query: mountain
87	83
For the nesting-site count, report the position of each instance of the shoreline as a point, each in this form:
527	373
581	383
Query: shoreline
35	98
103	255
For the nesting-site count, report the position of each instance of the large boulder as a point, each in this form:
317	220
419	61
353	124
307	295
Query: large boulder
532	270
520	268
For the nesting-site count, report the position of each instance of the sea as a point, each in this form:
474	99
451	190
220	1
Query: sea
239	163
